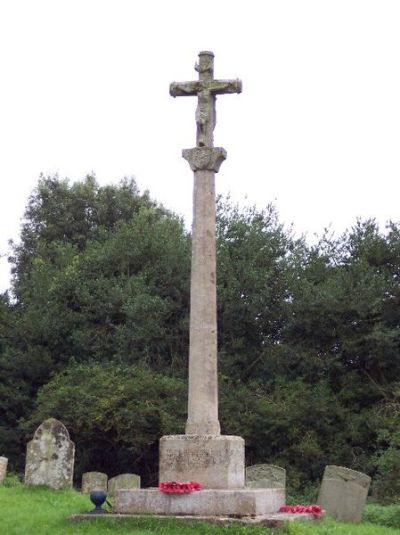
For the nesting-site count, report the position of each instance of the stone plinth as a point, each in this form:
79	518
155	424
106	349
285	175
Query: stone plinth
211	502
215	461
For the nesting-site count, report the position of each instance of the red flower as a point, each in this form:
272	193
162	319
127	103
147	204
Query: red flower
177	487
314	510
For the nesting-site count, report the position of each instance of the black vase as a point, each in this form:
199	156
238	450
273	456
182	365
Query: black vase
98	497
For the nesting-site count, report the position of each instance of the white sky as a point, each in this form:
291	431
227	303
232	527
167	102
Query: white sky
84	87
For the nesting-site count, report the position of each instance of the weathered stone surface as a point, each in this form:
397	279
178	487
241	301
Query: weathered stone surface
205	88
343	493
270	520
217	462
94	481
205	161
3	468
50	456
205	158
212	502
123	481
265	476
203	373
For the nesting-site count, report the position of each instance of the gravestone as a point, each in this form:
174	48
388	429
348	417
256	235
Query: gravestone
265	476
94	481
123	481
343	493
50	456
3	468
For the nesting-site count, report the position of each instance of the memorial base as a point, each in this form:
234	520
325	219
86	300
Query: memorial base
215	461
209	502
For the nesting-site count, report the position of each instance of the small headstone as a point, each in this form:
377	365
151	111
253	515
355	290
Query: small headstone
123	481
265	476
343	493
50	456
94	481
3	468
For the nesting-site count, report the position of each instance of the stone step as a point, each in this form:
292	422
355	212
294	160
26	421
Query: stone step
272	520
208	502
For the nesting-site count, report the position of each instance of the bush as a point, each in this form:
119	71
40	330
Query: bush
386	484
386	516
115	415
12	480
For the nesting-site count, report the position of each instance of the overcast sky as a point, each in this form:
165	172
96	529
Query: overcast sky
84	88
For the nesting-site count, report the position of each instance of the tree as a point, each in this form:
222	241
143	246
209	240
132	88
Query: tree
256	260
62	214
101	274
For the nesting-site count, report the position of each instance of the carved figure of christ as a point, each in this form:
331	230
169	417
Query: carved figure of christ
205	88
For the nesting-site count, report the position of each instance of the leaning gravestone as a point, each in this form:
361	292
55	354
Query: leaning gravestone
50	456
265	476
94	481
343	493
123	481
3	468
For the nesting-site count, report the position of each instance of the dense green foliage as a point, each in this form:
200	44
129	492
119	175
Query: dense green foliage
95	332
388	515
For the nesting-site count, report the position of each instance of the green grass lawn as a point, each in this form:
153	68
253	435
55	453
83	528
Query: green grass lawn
41	511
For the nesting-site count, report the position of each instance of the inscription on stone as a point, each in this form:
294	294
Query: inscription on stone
214	461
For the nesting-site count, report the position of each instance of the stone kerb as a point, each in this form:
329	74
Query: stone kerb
50	456
94	481
3	468
267	476
343	493
123	481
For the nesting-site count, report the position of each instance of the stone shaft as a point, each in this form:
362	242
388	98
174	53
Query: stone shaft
203	380
204	160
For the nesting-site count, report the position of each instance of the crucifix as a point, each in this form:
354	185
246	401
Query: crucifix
204	160
206	88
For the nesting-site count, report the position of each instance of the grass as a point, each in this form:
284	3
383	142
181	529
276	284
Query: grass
41	511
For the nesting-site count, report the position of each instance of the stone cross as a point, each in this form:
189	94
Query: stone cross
205	161
206	88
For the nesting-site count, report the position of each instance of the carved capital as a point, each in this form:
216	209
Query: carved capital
205	158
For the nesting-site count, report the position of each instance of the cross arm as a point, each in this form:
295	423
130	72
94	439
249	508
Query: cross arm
184	89
219	87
